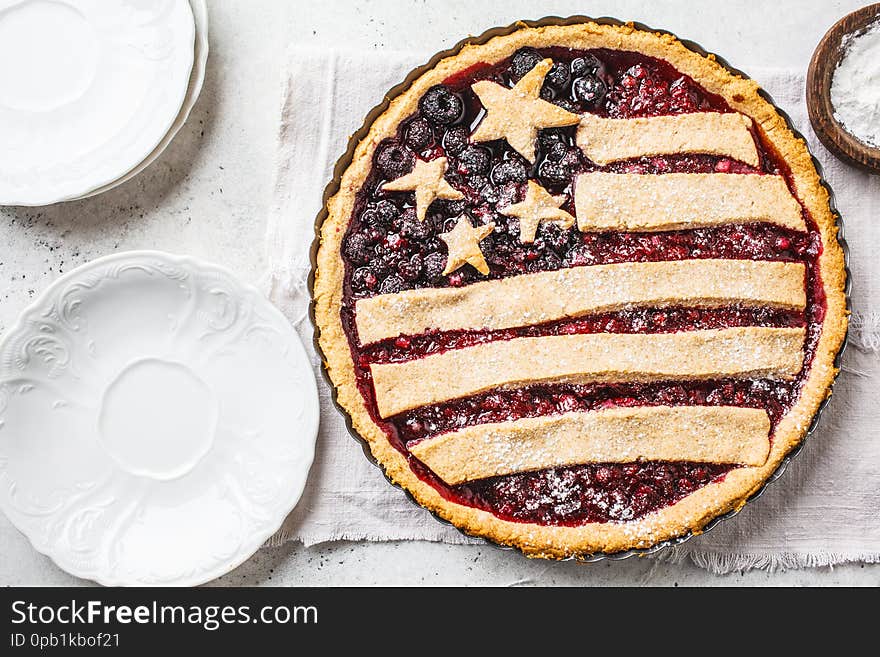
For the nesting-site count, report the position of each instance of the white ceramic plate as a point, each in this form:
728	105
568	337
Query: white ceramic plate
196	80
88	89
157	421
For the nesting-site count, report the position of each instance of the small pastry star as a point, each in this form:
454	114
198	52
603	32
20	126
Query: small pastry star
517	114
464	245
537	207
427	181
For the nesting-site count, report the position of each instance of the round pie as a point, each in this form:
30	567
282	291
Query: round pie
579	288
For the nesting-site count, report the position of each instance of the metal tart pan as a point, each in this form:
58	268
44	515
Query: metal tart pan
345	161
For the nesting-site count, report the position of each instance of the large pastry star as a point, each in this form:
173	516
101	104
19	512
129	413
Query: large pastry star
538	206
427	181
517	114
464	245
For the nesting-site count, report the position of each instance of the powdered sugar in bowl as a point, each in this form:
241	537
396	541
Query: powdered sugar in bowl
843	89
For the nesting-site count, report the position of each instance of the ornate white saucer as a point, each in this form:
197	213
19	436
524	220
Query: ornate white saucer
157	420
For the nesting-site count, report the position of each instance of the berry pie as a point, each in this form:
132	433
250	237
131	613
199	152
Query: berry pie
580	289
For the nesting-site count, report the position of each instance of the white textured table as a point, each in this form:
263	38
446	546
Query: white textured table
208	196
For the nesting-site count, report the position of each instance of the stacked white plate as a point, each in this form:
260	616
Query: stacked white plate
92	92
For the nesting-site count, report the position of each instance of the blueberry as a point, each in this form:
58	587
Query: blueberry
474	160
419	134
441	105
552	136
455	140
411	269
589	89
567	105
452	208
513	170
391	285
557	151
386	212
434	265
523	61
557	76
356	249
584	65
394	160
554	237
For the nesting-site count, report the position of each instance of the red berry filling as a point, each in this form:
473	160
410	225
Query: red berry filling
388	250
647	320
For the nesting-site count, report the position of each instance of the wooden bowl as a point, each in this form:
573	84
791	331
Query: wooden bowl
822	66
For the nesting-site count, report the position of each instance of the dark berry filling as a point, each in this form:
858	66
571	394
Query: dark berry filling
387	250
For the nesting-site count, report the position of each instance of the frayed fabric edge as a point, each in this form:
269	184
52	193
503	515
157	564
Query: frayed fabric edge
279	538
864	332
719	563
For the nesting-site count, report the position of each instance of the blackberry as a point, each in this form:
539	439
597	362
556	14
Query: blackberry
410	269
455	140
513	170
441	105
554	237
474	160
434	264
552	136
356	249
419	134
363	280
391	285
394	160
410	227
386	212
523	61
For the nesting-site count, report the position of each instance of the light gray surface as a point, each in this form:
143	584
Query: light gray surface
208	196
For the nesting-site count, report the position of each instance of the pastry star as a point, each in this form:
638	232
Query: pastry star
517	114
427	181
537	207
464	245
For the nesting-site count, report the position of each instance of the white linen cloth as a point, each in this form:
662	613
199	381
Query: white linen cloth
825	509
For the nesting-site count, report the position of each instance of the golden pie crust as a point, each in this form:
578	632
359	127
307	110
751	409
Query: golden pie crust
707	434
547	296
694	511
740	352
673	201
609	140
